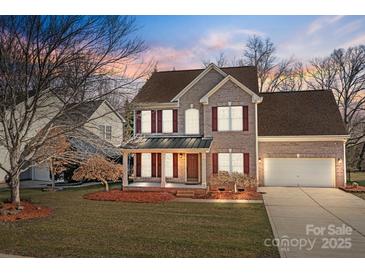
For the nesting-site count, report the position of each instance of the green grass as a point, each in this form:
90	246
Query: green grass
358	177
83	228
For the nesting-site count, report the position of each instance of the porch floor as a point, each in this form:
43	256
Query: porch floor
168	185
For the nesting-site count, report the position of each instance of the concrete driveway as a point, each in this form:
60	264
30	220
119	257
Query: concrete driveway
315	222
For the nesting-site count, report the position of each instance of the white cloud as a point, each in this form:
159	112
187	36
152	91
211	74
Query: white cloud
322	22
358	40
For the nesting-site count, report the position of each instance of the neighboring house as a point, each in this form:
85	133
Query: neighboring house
190	124
97	120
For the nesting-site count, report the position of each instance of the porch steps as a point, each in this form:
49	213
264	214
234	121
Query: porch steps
185	193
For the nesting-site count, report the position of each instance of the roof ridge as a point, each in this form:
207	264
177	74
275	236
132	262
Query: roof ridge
298	91
184	70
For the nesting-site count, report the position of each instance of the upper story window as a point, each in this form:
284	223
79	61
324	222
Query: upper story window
167	121
105	132
192	121
156	121
230	118
146	121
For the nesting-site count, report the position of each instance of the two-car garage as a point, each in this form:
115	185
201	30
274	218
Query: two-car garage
306	172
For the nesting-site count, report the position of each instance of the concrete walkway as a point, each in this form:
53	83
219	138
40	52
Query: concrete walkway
316	222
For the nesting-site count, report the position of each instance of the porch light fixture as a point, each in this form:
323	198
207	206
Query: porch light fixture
339	160
260	160
298	155
180	155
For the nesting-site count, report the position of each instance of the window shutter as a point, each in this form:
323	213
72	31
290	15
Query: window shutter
175	165
245	118
215	162
154	164
159	121
214	119
153	121
138	121
174	120
246	163
138	164
158	164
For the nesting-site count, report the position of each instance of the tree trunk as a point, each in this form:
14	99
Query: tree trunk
361	158
15	191
105	182
52	175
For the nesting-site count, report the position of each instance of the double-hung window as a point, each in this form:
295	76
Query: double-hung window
192	121
230	118
167	121
146	121
105	132
230	162
169	165
146	170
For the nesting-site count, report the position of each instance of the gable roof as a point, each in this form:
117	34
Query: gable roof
297	113
80	113
255	97
163	86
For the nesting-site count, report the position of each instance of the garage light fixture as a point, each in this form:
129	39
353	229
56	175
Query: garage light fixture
339	160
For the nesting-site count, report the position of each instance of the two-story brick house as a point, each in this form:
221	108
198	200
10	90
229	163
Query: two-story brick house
190	124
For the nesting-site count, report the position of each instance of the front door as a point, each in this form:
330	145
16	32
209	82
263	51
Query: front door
192	167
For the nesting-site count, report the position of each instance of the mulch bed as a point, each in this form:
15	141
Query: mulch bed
131	196
29	211
229	195
353	189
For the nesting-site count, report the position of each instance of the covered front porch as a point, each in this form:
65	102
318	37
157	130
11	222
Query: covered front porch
166	162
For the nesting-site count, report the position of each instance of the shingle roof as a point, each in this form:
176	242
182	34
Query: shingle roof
80	113
163	86
297	113
169	142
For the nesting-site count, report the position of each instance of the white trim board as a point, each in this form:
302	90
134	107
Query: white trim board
255	97
303	138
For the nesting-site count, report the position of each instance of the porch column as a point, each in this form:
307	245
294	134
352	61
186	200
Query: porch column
163	179
204	169
125	168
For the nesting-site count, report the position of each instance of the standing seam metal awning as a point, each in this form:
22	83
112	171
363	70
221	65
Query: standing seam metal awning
169	143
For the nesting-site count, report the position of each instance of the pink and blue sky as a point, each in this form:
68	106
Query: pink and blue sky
182	42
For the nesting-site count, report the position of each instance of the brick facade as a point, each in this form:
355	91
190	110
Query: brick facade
237	141
305	150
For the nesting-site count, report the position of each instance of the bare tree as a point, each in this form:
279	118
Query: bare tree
344	73
220	61
260	53
48	66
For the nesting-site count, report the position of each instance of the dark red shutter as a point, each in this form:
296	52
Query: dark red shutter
174	120
159	121
138	164
214	119
215	162
153	121
154	164
175	165
246	163
138	121
245	118
158	164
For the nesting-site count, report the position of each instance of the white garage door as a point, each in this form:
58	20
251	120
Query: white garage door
299	172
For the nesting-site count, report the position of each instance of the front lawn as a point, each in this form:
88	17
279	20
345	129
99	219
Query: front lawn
85	228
